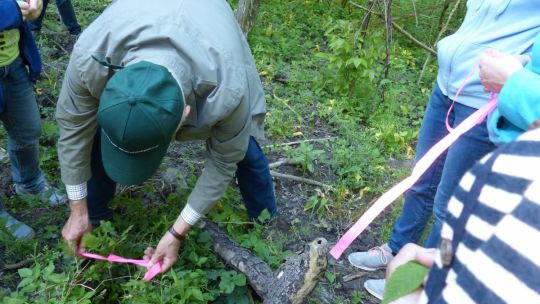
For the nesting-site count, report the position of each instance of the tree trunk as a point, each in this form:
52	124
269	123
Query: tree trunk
246	12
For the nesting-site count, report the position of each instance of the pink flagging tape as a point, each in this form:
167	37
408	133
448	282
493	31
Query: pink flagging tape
150	273
471	72
420	168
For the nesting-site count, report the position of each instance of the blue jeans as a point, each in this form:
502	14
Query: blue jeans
22	122
67	13
433	190
253	175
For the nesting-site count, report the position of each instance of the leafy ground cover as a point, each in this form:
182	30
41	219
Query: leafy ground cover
325	89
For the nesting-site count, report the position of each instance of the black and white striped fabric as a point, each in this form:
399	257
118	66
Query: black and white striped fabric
493	224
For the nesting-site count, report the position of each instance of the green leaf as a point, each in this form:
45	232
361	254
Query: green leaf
30	288
357	62
25	272
49	269
212	274
90	241
312	202
197	294
331	277
25	282
226	285
56	278
107	227
240	279
203	237
404	280
264	216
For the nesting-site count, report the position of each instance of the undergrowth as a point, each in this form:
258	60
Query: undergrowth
323	80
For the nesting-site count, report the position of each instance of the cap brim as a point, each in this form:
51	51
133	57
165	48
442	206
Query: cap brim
130	168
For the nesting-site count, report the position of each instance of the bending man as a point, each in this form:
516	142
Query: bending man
143	75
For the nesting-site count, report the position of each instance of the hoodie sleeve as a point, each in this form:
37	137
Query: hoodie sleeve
11	15
519	99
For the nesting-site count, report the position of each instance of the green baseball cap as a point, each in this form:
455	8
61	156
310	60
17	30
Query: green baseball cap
139	112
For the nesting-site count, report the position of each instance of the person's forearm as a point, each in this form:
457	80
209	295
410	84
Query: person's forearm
181	226
78	207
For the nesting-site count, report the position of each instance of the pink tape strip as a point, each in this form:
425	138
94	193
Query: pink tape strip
471	72
421	166
150	273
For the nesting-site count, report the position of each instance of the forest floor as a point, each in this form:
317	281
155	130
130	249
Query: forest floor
358	142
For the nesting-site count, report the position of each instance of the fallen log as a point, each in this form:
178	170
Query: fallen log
292	282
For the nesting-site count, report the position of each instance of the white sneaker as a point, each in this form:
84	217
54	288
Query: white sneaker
17	229
49	194
373	259
375	287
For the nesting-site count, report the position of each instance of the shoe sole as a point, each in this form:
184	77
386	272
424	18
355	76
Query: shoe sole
373	293
365	267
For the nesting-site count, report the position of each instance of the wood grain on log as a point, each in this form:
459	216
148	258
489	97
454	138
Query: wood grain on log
291	283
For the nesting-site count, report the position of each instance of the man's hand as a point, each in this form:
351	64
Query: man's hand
77	225
31	10
166	251
411	252
496	68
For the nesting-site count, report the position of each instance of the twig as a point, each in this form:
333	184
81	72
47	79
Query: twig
87	287
441	32
234	223
365	22
283	161
411	37
287	105
443	11
388	24
401	17
283	80
17	265
300	179
369	10
415	12
52	67
401	30
300	141
60	46
353	276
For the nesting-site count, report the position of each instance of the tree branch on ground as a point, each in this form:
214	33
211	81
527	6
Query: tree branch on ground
300	179
292	282
300	141
282	162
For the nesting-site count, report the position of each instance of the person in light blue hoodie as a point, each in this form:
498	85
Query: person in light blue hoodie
509	26
519	93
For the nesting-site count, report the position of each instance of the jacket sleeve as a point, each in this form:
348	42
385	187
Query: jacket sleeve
76	114
519	99
225	148
11	15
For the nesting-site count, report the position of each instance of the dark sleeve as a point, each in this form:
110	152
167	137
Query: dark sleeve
11	15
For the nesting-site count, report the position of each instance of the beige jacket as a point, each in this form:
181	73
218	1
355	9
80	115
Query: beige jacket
204	49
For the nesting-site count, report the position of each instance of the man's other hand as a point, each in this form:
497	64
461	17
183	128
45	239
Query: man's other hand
166	252
77	225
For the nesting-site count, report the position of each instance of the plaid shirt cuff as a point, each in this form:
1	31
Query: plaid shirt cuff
190	215
77	192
